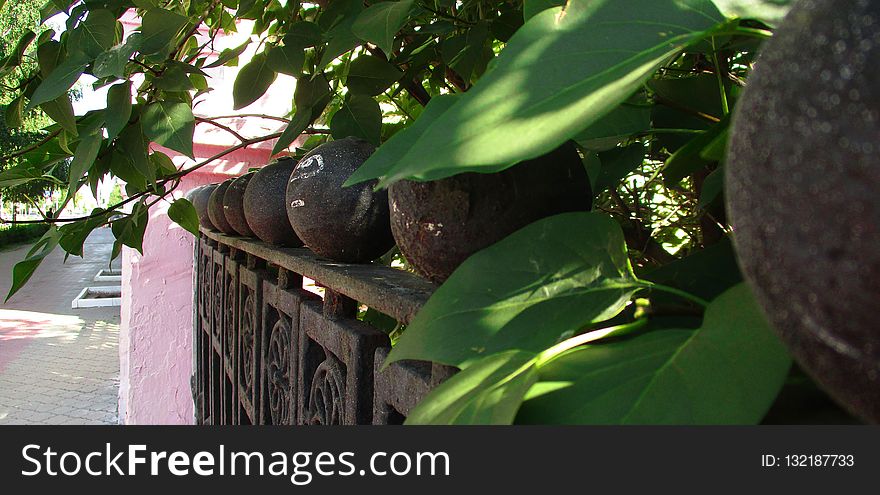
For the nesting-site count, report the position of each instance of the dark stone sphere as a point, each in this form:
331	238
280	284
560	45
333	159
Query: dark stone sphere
215	208
803	193
348	224
233	205
199	197
264	203
439	224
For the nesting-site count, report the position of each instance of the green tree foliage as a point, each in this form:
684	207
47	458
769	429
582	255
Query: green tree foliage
631	313
19	21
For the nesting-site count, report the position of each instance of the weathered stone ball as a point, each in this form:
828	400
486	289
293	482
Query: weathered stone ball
233	205
199	197
348	224
439	224
803	193
215	208
264	203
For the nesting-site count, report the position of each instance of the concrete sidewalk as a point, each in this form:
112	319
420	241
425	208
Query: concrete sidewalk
58	365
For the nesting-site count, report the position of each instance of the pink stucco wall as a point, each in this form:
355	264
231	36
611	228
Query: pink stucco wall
156	337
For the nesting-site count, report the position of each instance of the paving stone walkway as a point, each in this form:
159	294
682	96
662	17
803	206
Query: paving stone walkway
58	365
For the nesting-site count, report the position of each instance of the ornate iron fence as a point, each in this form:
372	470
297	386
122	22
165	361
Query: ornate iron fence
268	351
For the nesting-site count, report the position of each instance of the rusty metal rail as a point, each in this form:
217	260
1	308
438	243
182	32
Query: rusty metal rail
268	351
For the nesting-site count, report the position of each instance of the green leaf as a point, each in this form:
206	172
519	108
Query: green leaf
713	184
397	147
133	146
337	21
252	81
73	235
687	159
118	108
371	76
469	52
19	174
83	159
162	163
287	59
728	371
15	58
526	292
531	8
61	110
567	71
359	116
58	82
13	112
94	35
311	97
380	22
616	164
23	270
768	11
183	213
303	34
615	127
706	273
229	54
298	123
171	124
113	61
173	79
129	230
488	392
159	29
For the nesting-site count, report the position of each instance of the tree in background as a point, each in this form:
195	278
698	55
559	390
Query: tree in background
19	130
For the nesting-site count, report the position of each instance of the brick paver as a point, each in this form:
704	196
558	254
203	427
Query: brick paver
58	365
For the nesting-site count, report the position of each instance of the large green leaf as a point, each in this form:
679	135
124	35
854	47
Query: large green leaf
488	392
311	97
531	8
526	292
728	371
83	158
359	116
159	28
252	81
119	108
23	270
286	59
61	110
560	73
615	127
183	213
768	11
61	79
113	61
94	35
171	124
380	22
337	21
371	76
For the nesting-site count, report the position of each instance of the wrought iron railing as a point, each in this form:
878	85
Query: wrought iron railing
268	351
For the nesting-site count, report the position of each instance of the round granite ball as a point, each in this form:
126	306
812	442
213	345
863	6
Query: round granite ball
200	197
233	205
348	224
264	203
215	208
439	224
803	193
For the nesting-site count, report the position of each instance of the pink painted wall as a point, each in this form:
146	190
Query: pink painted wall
155	339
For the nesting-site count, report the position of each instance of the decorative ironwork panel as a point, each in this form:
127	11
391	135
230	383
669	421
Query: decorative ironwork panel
335	365
402	385
281	320
270	352
250	297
